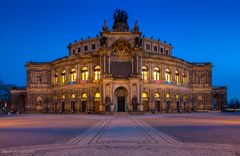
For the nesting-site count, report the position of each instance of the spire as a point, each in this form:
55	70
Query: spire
105	27
136	28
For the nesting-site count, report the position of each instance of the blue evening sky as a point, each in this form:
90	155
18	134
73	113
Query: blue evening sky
200	31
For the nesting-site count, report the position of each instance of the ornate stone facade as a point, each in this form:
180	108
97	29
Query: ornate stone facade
121	71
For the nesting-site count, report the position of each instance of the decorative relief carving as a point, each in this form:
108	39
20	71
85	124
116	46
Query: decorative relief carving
121	48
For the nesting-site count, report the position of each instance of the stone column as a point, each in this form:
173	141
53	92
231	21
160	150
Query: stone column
104	64
150	72
109	63
90	69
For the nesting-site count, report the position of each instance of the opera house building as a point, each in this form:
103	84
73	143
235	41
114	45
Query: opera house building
119	70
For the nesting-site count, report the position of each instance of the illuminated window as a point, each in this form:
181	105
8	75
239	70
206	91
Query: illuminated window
63	76
156	73
168	95
84	72
144	73
177	76
97	95
73	75
177	96
84	95
97	73
168	75
157	95
55	78
73	96
63	96
185	79
144	95
185	96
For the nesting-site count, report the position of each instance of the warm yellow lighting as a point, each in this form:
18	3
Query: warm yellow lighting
73	75
168	95
156	73
97	73
177	96
185	79
157	95
168	75
84	95
177	76
97	95
84	72
56	77
144	73
63	76
144	95
73	96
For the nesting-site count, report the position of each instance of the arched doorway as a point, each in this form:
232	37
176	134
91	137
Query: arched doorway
120	99
157	100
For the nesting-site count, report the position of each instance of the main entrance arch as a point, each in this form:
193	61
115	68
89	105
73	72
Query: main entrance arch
120	96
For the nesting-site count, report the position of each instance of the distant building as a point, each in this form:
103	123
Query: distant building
120	71
5	96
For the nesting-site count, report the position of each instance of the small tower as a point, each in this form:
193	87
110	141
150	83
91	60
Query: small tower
105	27
136	28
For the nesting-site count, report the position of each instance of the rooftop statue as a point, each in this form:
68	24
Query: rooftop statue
120	20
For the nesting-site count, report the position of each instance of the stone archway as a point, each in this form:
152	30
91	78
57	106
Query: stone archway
120	96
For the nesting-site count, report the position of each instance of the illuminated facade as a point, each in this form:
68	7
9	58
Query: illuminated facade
121	71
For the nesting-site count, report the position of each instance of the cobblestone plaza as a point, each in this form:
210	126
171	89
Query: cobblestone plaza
163	134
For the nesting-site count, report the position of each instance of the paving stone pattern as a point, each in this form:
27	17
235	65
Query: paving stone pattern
122	136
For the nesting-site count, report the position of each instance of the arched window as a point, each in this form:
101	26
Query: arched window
156	95
84	96
73	96
55	78
97	73
168	95
185	79
144	95
97	95
156	73
63	76
177	77
73	75
84	72
144	73
168	75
